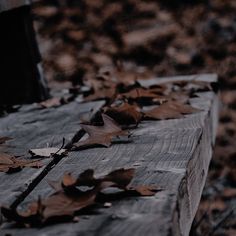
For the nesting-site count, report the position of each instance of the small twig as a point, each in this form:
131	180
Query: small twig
63	143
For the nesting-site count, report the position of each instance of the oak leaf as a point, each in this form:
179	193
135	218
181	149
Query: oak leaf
143	96
124	114
104	93
100	135
170	110
9	163
71	197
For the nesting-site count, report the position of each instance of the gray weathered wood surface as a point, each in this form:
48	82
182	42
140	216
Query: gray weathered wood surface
172	154
33	127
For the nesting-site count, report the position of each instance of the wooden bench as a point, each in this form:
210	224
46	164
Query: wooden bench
172	154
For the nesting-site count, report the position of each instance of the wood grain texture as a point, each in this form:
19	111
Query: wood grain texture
33	127
172	154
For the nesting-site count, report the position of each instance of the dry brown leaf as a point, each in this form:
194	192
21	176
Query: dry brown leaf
143	190
104	93
101	135
59	206
140	93
4	139
124	114
170	110
71	197
142	96
9	163
47	152
68	180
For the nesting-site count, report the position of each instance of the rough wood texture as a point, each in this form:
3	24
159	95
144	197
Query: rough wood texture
32	127
172	154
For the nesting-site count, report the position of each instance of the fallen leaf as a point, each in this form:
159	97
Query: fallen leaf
4	139
103	87
170	110
142	191
100	135
47	152
62	204
9	163
57	207
68	180
124	114
140	93
71	198
121	177
104	93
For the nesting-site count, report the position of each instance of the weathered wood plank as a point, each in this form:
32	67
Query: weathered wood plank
32	127
202	78
173	154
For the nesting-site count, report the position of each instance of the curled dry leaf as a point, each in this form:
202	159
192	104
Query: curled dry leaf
103	88
140	93
104	93
143	96
124	114
47	152
101	135
71	197
169	110
10	163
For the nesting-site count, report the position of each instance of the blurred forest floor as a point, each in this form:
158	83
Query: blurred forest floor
79	38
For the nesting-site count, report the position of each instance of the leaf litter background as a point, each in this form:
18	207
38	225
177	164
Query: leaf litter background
78	39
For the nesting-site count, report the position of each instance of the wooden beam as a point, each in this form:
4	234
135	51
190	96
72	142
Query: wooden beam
32	127
172	154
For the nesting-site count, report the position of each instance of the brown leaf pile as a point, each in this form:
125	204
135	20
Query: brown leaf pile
75	194
129	105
